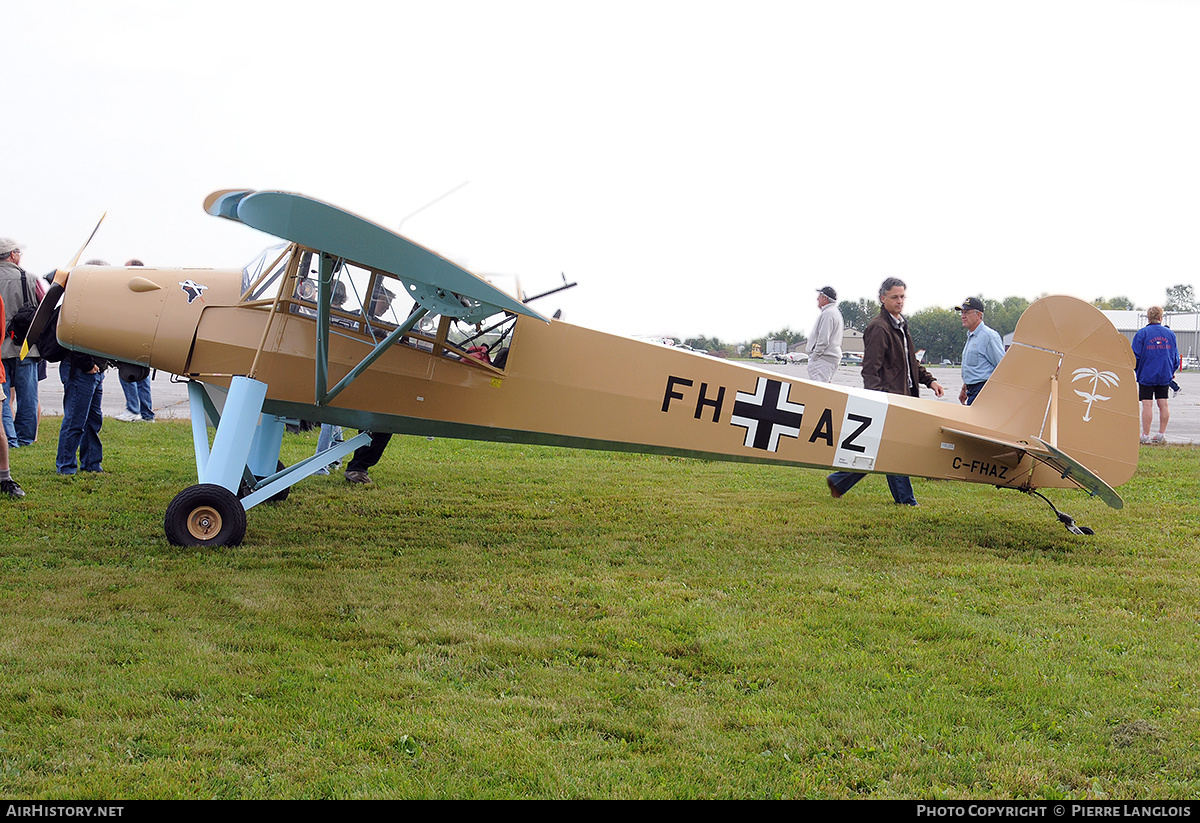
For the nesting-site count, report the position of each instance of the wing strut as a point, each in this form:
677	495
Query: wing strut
323	397
324	300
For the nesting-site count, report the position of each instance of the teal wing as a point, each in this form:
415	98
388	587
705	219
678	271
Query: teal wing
437	284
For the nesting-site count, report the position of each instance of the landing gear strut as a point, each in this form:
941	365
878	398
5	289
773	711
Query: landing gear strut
240	469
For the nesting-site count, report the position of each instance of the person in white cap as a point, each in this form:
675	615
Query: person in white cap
21	376
825	340
8	486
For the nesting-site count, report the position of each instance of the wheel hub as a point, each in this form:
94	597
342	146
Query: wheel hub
204	522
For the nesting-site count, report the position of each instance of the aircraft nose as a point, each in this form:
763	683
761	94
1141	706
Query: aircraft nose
112	312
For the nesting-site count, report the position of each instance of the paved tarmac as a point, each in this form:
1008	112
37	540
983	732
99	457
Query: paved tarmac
170	398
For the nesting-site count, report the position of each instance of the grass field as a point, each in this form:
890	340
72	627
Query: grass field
503	621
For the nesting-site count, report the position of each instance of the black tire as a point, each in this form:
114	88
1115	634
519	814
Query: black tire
278	497
205	515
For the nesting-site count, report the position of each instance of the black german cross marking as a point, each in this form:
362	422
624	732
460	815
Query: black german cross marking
767	414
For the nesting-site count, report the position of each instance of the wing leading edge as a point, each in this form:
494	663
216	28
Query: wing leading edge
440	286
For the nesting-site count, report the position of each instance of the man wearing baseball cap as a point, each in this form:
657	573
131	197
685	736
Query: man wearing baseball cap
825	341
981	355
21	376
10	255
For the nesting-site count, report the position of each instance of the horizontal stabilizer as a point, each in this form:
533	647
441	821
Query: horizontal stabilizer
1067	466
431	280
1078	473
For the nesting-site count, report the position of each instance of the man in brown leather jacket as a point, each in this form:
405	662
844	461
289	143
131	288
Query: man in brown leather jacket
889	356
889	365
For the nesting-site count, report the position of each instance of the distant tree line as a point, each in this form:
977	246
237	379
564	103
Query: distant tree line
708	344
1181	298
939	331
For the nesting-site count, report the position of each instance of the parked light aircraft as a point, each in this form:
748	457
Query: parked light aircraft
787	357
349	323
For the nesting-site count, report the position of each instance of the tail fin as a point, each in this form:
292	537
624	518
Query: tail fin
1067	380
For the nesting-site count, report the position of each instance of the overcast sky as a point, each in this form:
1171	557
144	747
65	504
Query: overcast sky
698	167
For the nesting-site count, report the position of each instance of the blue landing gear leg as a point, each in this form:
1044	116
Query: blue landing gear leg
241	470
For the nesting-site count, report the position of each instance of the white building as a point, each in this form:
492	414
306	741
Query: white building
1186	326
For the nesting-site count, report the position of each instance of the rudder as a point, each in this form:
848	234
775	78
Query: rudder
1068	379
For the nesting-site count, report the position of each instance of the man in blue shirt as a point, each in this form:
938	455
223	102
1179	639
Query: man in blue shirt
1157	360
981	355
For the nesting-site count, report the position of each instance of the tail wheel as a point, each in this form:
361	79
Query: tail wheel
205	515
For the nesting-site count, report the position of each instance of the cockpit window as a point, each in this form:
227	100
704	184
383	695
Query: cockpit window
271	262
369	303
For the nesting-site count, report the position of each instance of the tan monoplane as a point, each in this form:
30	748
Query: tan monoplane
351	324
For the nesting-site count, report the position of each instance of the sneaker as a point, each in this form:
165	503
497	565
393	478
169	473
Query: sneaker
1158	438
12	489
127	416
1145	440
357	477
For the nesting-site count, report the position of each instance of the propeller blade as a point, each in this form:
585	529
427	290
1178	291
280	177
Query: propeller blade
41	316
54	293
79	253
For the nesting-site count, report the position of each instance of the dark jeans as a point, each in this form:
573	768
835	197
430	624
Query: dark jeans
899	484
22	376
973	391
81	422
367	456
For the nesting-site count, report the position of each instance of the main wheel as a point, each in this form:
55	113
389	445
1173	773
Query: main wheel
205	515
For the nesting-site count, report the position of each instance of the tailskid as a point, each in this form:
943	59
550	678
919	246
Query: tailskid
1063	517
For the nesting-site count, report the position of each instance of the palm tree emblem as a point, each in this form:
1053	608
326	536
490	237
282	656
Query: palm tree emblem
1097	377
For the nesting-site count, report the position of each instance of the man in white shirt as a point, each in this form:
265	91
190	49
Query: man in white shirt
825	341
